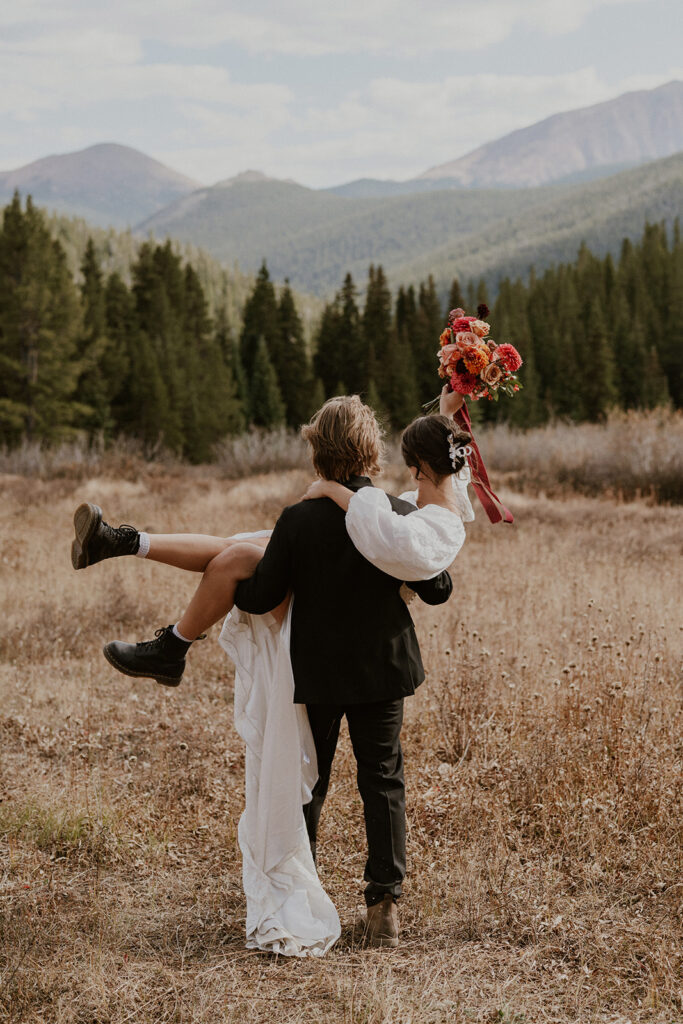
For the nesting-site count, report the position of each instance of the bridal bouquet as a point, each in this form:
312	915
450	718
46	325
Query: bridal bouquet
473	363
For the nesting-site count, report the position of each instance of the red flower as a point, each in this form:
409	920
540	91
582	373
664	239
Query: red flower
464	383
509	357
462	323
482	311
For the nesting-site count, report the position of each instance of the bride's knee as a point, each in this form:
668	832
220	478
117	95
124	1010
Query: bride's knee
239	559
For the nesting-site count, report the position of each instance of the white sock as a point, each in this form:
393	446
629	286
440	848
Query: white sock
143	550
176	632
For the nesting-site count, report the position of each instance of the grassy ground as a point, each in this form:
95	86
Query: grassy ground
544	770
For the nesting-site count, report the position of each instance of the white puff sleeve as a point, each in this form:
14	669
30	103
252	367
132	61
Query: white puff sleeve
414	547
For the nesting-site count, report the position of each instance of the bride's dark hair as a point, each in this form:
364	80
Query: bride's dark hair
427	442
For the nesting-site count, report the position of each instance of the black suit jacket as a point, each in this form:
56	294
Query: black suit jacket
353	640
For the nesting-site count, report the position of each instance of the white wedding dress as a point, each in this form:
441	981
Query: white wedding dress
288	911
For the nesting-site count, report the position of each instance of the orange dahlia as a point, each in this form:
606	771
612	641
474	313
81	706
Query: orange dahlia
476	359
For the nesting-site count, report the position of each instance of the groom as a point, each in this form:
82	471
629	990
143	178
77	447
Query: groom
353	646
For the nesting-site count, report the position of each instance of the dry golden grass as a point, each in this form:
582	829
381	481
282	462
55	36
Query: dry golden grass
544	769
631	454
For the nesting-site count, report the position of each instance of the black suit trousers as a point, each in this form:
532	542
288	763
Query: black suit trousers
374	730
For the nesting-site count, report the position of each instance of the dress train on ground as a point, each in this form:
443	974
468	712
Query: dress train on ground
288	911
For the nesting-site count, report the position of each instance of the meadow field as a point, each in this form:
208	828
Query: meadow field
544	764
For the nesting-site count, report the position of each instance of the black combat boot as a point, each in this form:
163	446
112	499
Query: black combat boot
162	659
96	540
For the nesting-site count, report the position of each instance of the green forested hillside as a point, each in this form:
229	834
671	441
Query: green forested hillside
102	335
314	238
89	351
226	287
601	213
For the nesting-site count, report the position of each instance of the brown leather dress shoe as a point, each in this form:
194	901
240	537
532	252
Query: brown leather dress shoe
381	924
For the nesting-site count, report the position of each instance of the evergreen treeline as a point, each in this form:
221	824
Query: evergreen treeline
104	356
594	334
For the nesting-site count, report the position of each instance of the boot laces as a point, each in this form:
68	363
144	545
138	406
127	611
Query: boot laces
154	645
124	528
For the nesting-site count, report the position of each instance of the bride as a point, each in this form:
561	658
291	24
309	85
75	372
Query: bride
287	910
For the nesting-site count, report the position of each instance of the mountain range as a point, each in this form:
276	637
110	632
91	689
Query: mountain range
108	184
632	129
530	197
578	145
314	237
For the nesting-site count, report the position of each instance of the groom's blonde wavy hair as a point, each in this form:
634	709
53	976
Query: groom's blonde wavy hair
345	438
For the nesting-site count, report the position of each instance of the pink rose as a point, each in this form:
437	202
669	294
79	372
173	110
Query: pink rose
465	339
449	354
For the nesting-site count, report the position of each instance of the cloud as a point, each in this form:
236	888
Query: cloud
311	28
77	72
392	128
85	68
396	127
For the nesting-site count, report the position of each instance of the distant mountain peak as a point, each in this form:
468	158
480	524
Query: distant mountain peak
633	128
250	177
107	183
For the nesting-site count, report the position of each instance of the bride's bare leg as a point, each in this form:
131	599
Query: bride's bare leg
163	658
191	551
215	595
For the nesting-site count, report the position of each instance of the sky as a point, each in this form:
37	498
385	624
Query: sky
322	93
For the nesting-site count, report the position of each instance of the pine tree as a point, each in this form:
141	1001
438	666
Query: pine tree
353	353
211	408
231	357
510	323
596	364
482	295
327	361
147	396
267	406
317	395
671	340
95	383
40	321
656	391
291	362
157	289
631	340
120	326
260	320
377	327
400	388
568	397
373	400
429	323
456	299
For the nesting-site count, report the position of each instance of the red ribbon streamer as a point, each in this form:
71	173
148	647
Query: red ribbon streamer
493	506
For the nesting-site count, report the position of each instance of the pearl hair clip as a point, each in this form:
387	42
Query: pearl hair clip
457	453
